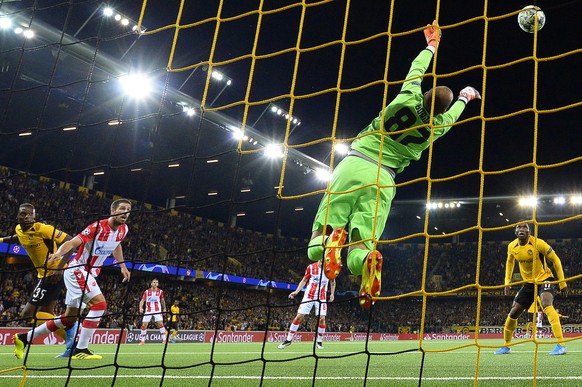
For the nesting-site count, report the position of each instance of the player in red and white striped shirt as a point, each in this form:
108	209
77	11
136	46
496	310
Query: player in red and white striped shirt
95	243
155	306
314	297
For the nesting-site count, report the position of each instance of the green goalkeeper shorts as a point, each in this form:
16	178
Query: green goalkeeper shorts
352	199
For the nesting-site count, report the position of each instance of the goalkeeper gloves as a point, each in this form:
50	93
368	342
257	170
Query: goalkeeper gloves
468	94
432	34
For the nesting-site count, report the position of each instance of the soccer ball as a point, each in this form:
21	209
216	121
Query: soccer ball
527	18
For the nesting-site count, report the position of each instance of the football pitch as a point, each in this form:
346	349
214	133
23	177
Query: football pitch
391	363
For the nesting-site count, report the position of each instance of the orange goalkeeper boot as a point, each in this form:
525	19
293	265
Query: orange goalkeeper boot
371	279
333	260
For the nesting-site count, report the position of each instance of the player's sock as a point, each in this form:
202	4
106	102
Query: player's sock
173	335
163	333
42	317
315	248
554	320
320	332
143	334
510	325
356	258
90	324
292	329
50	326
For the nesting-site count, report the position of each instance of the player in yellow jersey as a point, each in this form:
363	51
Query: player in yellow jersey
532	254
39	240
174	320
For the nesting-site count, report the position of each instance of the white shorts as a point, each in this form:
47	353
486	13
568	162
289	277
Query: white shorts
148	317
81	287
307	305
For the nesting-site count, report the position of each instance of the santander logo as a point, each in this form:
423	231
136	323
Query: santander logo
50	339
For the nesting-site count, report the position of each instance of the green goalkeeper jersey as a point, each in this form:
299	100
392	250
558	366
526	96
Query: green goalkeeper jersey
404	112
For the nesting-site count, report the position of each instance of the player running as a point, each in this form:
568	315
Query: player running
95	243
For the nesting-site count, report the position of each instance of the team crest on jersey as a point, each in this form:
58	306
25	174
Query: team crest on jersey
530	253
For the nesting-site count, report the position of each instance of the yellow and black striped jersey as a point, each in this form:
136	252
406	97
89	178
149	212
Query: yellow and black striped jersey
175	312
532	259
39	241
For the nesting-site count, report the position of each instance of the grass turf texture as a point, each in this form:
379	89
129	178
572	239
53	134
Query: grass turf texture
393	363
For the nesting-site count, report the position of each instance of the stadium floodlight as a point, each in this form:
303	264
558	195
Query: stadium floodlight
137	86
223	78
560	200
294	120
322	174
107	11
189	111
576	199
28	33
237	134
274	151
5	23
342	149
530	201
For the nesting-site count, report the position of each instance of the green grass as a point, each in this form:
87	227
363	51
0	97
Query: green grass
392	363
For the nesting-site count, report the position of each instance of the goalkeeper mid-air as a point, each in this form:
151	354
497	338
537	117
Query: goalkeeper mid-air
362	185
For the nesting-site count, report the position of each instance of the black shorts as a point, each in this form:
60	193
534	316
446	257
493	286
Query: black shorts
46	291
174	325
525	295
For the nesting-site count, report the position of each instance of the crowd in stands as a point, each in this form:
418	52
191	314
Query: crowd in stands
179	239
206	305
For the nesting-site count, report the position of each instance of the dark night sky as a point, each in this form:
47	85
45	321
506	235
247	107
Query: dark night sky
507	142
507	90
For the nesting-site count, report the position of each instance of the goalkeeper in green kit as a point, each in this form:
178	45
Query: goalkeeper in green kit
362	186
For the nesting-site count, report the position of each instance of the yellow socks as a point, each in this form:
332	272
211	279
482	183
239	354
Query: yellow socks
554	319
510	325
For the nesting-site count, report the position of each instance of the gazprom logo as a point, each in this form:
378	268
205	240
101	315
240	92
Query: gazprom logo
102	251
